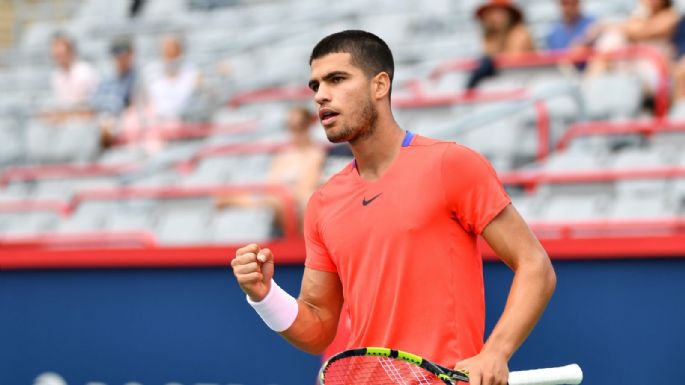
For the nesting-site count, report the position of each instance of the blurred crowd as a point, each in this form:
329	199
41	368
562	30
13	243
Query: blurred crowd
653	23
141	100
135	101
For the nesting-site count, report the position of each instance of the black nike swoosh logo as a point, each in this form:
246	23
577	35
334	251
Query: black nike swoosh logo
365	202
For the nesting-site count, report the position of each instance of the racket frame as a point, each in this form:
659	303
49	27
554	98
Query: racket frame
448	376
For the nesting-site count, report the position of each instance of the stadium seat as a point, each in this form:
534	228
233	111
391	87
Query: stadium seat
236	225
612	96
574	208
28	223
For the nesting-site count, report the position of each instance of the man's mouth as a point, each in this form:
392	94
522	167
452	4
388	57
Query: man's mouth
327	116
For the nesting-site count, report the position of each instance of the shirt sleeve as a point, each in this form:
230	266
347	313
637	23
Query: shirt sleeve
473	192
318	257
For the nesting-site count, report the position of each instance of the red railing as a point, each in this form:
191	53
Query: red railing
24	205
140	239
549	58
530	179
290	220
642	127
20	173
185	131
97	240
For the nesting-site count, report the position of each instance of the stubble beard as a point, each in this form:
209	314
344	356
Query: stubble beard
363	127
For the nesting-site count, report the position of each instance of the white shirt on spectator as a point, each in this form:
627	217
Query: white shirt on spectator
170	95
76	86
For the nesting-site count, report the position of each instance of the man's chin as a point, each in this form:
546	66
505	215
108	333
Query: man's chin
336	136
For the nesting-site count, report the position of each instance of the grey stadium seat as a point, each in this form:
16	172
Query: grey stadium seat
234	225
612	96
28	223
183	226
644	207
573	208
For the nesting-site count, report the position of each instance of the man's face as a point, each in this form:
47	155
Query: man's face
62	54
343	98
123	62
171	48
570	9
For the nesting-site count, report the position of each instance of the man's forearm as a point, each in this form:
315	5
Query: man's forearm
531	289
313	329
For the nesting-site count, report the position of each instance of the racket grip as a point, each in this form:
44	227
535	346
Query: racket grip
569	375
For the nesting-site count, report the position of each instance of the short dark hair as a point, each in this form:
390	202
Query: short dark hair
120	45
369	52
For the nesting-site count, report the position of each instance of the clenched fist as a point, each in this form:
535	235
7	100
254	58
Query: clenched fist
253	268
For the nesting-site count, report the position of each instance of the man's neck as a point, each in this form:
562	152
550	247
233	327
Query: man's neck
374	154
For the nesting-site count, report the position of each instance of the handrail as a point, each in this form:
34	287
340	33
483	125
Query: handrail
644	127
548	58
290	220
181	131
530	179
84	240
537	101
18	173
62	208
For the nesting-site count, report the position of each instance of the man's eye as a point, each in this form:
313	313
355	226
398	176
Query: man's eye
337	79
315	87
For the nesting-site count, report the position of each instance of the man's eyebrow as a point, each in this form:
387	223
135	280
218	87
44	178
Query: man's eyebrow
328	76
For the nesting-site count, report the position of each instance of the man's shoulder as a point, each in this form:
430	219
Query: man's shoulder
431	147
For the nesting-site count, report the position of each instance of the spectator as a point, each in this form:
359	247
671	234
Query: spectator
504	33
570	30
115	94
172	82
297	166
73	81
652	24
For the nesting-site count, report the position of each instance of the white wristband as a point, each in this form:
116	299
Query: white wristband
278	309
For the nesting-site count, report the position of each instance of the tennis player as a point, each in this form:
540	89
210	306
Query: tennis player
393	234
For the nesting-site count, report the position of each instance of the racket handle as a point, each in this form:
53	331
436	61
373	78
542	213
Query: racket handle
569	374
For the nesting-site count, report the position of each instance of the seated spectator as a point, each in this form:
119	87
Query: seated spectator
297	167
73	82
652	24
504	33
570	31
170	84
166	90
116	93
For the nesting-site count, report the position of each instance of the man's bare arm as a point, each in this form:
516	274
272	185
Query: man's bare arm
531	289
319	304
533	284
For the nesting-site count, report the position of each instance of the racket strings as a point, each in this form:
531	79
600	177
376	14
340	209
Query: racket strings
372	370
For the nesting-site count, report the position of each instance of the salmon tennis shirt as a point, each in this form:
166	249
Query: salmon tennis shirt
404	247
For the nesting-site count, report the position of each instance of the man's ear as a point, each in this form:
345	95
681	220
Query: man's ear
381	85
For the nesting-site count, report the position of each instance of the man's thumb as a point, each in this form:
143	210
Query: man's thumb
266	260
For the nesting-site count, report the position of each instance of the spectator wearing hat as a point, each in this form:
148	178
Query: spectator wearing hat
504	33
570	31
116	93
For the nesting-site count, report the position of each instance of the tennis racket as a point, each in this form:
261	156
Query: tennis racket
382	366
